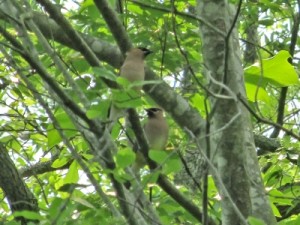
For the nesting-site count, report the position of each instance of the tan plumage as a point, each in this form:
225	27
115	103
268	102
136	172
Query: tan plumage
156	131
133	69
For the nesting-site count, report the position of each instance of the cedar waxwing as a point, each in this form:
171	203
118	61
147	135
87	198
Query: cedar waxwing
156	129
133	69
156	132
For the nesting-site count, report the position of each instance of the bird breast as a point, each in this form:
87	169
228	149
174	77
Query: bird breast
157	134
133	71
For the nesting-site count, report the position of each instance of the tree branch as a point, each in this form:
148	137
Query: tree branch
43	167
74	36
114	24
162	180
18	195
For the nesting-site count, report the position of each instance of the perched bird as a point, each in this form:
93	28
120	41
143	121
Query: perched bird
156	131
133	69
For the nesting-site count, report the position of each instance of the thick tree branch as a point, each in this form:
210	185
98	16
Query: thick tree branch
18	195
114	24
265	144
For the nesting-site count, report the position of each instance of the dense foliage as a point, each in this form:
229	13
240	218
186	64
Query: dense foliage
59	67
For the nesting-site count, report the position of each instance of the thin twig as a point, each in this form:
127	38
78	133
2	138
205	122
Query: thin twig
259	119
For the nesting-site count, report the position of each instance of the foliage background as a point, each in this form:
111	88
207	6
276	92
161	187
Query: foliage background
54	81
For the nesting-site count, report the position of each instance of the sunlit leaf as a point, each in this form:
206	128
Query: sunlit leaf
276	70
278	198
66	125
158	156
198	101
172	165
83	202
72	175
255	93
28	215
125	157
99	110
60	162
275	210
255	221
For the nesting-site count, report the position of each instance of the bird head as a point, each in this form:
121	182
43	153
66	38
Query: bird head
145	51
137	53
154	112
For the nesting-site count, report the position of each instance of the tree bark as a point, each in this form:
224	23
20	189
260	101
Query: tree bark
237	173
17	193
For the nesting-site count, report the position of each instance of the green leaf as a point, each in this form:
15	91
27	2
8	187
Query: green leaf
99	110
158	156
276	70
61	216
275	210
60	162
197	101
279	198
126	99
255	93
5	138
266	22
15	145
12	223
53	136
85	4
172	165
125	157
105	73
121	176
135	9
80	64
83	202
72	175
123	82
66	124
150	178
255	221
28	215
294	220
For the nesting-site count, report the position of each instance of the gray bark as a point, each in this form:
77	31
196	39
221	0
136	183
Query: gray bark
16	191
236	172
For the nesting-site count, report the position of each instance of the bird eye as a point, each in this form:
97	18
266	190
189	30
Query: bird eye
143	49
156	109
